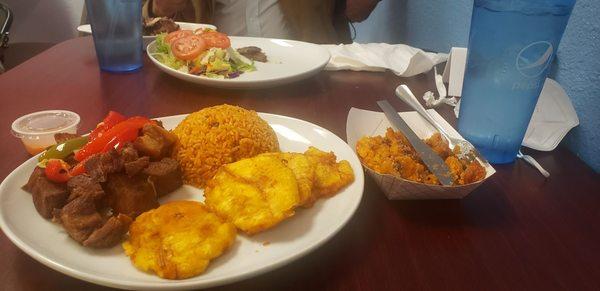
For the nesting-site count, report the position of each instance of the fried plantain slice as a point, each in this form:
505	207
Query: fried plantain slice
177	240
254	194
304	172
330	176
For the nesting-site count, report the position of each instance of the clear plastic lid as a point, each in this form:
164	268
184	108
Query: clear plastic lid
44	123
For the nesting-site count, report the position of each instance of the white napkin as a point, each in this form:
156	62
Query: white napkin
403	60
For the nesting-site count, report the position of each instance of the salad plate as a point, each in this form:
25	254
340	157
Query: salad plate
49	244
287	61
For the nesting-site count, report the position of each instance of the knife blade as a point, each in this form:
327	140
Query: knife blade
434	163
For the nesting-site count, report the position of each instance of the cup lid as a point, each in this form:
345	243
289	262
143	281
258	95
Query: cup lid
44	122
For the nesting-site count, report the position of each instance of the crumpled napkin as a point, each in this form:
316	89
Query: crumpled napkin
429	97
403	60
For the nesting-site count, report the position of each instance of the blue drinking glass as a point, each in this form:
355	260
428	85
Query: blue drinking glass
117	31
511	46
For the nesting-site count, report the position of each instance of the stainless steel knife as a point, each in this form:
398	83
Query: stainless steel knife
434	163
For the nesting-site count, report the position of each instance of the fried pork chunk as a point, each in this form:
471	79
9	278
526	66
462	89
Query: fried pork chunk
84	185
96	208
46	194
99	166
80	218
84	223
164	175
130	196
178	239
155	142
254	194
110	233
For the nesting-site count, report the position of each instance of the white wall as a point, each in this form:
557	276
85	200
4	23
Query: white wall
44	20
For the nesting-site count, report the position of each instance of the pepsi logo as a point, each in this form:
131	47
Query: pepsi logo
533	59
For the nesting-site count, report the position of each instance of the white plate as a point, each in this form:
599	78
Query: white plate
49	244
288	61
86	28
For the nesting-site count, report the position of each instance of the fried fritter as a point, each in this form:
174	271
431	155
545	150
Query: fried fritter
392	154
304	172
439	145
474	172
455	166
254	194
177	240
330	176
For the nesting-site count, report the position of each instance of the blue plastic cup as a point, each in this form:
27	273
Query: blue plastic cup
511	46
117	31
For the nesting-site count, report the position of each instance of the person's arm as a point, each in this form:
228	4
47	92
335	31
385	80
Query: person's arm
359	10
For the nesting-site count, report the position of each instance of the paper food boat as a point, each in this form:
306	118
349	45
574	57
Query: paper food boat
369	123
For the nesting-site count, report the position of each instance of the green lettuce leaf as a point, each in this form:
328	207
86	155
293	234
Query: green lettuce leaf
164	55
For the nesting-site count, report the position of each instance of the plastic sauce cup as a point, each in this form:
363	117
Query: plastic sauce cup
36	130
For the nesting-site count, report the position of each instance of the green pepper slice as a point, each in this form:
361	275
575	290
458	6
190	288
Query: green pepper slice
62	150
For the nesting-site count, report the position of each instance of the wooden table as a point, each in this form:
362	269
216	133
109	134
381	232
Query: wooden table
517	231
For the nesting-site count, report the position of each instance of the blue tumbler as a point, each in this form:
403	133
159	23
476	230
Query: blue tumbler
511	46
117	31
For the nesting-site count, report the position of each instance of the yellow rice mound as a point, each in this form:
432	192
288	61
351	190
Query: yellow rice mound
220	135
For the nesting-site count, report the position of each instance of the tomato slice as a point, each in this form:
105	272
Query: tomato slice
216	39
177	35
57	171
188	48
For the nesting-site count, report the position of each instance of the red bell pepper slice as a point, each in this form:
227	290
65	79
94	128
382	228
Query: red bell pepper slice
117	135
78	169
111	119
57	171
126	135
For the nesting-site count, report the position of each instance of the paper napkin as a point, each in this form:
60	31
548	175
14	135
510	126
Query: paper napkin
403	60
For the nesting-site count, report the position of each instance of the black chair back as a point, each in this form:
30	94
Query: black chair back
6	18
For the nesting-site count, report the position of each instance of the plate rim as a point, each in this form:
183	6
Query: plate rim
83	28
242	84
177	284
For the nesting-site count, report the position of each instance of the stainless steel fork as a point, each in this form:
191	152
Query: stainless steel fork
467	150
